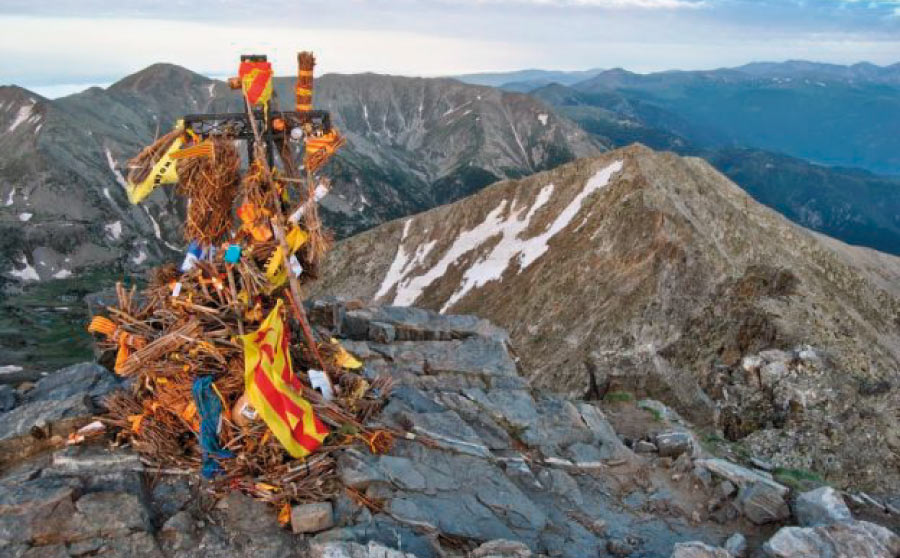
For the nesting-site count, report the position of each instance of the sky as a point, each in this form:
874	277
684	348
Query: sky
56	47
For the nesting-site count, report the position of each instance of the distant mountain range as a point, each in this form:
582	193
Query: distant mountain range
527	80
413	144
825	113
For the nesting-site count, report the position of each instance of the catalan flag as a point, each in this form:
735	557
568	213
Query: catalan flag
274	390
256	81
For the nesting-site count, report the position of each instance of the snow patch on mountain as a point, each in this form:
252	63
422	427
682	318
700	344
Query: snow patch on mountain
112	166
114	229
23	115
28	273
508	225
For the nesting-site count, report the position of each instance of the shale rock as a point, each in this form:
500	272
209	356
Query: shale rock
821	506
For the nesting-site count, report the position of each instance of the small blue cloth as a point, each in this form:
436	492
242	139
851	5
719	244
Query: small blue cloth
209	406
233	254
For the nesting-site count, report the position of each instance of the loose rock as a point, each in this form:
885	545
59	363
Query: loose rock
312	518
821	506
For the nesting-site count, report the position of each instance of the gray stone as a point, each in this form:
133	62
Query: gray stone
402	472
585	456
821	506
179	532
604	434
739	475
737	545
643	446
673	444
312	518
562	484
853	539
772	373
514	407
696	549
726	488
501	548
36	511
19	421
86	378
762	503
7	398
619	547
448	430
776	355
346	549
381	332
110	514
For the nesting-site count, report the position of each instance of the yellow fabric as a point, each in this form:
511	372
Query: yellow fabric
274	391
343	358
163	172
275	271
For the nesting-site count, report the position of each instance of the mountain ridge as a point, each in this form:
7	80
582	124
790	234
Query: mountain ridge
661	281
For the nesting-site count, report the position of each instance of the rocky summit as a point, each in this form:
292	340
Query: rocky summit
651	274
490	467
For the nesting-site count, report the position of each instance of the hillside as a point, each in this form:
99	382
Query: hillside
414	143
653	273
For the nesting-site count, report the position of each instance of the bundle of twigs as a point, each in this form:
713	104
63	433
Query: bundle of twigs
140	166
210	184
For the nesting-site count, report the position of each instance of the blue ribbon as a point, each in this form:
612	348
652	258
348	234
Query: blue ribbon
209	406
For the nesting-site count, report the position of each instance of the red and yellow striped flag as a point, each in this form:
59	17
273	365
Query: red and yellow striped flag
274	390
256	81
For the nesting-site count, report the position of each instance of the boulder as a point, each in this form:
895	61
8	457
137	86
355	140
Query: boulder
673	444
312	518
698	550
737	545
821	506
852	539
762	503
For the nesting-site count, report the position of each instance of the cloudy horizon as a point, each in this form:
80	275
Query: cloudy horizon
62	46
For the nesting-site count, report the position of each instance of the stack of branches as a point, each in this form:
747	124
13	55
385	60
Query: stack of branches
190	319
210	185
195	334
188	326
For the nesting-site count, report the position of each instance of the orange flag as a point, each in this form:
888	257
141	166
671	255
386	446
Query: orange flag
274	390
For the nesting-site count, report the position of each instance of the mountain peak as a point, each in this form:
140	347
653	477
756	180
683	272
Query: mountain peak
160	73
